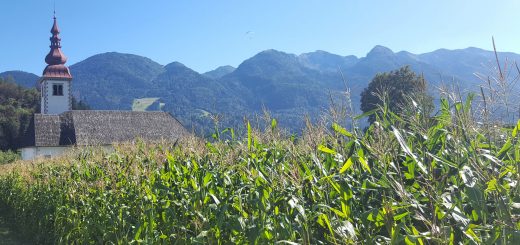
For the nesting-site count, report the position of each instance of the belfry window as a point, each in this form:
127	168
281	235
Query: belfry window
57	89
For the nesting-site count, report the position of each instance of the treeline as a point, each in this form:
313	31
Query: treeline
17	107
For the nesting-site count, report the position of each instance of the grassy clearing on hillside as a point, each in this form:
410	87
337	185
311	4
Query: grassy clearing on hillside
411	180
143	103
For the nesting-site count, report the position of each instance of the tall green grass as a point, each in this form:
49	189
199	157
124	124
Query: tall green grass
403	180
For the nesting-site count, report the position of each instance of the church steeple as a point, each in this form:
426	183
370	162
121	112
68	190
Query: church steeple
56	82
56	59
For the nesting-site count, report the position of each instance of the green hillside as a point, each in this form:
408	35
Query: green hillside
143	103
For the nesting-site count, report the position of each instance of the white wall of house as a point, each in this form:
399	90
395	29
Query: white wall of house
55	104
31	153
28	153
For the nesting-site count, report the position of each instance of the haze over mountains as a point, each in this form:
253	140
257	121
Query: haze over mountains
289	86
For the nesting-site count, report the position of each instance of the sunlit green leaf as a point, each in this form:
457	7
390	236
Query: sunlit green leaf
400	216
339	129
491	185
363	161
325	149
346	165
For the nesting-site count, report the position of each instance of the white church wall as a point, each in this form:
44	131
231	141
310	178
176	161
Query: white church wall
50	151
31	153
28	153
55	104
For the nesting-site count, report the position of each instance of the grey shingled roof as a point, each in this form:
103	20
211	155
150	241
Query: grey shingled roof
104	127
47	130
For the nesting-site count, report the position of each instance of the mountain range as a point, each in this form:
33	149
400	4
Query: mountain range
289	86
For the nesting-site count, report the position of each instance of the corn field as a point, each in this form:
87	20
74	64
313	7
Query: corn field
445	179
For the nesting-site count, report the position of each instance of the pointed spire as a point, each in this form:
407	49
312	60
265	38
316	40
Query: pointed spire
55	56
56	59
55	30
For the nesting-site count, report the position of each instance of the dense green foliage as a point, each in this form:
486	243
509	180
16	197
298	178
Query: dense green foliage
449	180
17	106
398	90
8	156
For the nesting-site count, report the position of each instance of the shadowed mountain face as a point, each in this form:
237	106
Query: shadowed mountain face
193	97
279	81
289	86
113	80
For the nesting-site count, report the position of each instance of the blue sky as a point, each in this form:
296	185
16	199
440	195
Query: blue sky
208	33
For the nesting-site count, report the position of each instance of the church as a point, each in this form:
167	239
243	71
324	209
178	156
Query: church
57	127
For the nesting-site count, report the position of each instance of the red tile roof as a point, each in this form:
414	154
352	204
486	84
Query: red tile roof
57	71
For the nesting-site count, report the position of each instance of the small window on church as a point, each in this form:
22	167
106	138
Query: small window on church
57	89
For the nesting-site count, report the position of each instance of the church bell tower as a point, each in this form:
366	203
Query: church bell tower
56	80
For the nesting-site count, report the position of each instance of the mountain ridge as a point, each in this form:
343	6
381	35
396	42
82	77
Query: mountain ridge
285	83
219	71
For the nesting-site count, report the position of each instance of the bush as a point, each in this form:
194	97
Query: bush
8	157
